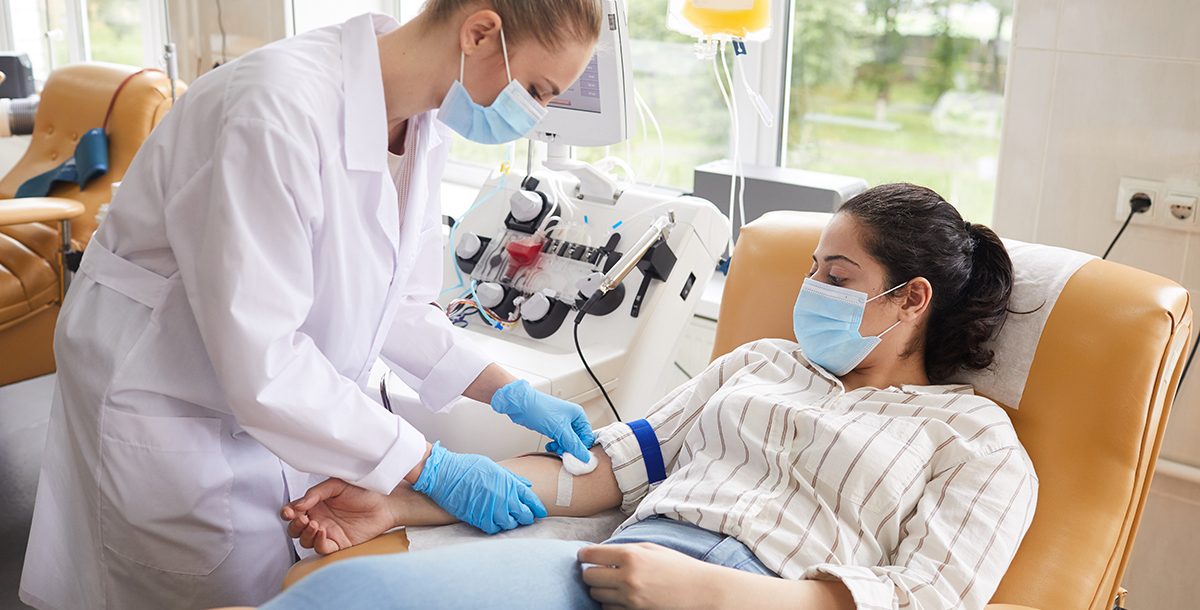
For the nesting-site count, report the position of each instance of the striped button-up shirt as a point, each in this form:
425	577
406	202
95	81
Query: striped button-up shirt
913	497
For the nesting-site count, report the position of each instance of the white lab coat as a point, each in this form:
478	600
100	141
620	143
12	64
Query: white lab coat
216	344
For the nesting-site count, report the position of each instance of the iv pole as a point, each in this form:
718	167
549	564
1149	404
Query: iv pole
169	55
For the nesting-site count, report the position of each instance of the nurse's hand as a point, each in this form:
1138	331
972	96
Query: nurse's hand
564	422
478	491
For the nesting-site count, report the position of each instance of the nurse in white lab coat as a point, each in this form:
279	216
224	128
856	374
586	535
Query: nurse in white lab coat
277	233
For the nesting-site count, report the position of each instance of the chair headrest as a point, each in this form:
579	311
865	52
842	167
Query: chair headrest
1039	275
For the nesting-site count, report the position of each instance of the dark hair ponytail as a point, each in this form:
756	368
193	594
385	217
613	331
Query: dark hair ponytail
984	304
913	232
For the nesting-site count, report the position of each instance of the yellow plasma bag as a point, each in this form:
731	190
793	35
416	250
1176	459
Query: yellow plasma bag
721	19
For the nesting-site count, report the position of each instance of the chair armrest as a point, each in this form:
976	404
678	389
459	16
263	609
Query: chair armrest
1007	607
39	209
387	544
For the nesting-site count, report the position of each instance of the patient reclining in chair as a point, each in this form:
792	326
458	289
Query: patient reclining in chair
834	471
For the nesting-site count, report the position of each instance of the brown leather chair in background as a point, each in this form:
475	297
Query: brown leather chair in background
74	100
1103	379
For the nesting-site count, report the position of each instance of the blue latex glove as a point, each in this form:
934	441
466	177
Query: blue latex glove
562	421
478	491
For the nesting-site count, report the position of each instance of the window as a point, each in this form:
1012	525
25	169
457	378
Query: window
902	90
886	90
680	90
57	32
312	14
39	29
115	31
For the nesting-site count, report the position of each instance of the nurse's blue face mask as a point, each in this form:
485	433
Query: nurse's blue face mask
826	321
510	117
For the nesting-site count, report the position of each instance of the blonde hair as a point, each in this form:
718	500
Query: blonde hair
550	22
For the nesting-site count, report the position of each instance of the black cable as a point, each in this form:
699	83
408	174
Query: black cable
383	394
593	375
1186	367
1138	204
1124	226
682	370
221	27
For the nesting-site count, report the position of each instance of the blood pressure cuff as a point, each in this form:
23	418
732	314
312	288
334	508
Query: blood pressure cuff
651	452
89	162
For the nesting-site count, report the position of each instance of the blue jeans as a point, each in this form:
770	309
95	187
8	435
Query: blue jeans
499	574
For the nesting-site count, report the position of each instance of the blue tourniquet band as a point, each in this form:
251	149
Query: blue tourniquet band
651	453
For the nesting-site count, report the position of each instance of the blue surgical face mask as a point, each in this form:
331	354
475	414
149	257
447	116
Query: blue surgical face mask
826	321
513	114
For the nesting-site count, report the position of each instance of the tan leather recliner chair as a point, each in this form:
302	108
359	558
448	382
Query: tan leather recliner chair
32	282
1096	401
1095	404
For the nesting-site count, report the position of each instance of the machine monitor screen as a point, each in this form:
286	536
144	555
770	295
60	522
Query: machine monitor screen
584	95
594	111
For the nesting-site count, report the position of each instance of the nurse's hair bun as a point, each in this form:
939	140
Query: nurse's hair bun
552	23
913	232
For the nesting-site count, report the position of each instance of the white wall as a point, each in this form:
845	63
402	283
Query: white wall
248	24
1101	89
11	150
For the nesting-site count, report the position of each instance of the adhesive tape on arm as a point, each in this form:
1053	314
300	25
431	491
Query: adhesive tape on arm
577	468
566	482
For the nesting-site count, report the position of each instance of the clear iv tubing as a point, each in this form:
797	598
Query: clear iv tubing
644	107
738	169
555	207
630	175
510	152
641	123
454	229
734	135
559	195
657	207
482	310
756	100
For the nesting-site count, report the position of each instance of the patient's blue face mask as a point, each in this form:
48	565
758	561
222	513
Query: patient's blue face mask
510	117
826	321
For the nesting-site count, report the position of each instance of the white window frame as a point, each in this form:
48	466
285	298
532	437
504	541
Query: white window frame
154	37
76	50
768	66
769	71
402	10
78	40
77	36
7	37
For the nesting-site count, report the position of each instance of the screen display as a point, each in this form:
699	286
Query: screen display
585	93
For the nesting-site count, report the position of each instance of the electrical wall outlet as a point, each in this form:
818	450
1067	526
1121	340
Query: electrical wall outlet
1179	209
1153	189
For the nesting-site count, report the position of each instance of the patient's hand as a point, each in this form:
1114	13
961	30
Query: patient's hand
335	515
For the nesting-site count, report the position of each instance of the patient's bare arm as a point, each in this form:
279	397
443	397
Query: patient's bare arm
335	515
591	493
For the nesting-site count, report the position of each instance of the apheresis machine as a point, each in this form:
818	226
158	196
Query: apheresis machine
568	278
